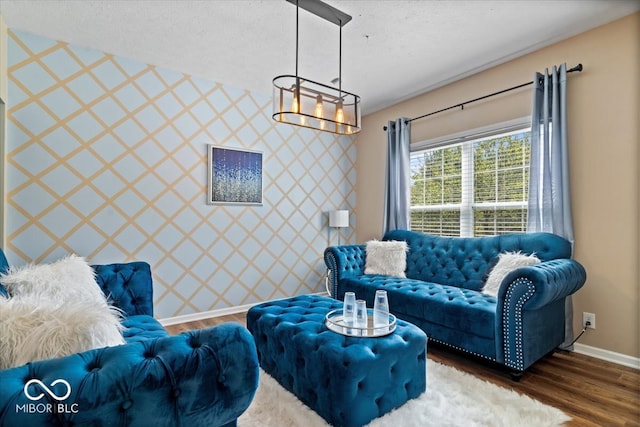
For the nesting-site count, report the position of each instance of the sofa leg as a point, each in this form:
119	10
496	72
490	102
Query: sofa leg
516	375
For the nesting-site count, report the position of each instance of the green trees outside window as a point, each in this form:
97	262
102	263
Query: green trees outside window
474	188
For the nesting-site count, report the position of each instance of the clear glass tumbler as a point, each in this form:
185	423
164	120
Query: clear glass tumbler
361	315
380	310
349	308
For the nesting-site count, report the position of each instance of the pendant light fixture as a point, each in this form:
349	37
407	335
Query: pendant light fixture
303	102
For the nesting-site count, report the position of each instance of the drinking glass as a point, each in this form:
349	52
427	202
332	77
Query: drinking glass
361	316
348	308
381	309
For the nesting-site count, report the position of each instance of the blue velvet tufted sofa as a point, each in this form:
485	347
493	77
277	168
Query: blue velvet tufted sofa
442	292
205	377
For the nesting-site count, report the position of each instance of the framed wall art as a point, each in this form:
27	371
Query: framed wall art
235	176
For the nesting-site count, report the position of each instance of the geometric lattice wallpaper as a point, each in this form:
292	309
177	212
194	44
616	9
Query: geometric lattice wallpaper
106	158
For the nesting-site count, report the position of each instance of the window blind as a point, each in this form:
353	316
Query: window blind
474	188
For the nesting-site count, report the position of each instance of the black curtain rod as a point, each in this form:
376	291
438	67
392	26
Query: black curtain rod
462	104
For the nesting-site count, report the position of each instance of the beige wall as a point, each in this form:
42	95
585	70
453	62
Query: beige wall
604	130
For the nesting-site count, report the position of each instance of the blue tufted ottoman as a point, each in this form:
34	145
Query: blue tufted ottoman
348	381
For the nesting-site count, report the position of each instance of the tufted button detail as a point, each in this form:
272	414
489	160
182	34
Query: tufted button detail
194	342
126	404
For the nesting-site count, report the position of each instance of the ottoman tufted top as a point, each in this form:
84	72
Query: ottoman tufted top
305	314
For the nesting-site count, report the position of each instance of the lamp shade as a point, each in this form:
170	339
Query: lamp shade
339	219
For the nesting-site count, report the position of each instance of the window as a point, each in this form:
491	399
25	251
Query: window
473	188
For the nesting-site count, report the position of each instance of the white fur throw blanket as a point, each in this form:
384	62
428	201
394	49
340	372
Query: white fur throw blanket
55	310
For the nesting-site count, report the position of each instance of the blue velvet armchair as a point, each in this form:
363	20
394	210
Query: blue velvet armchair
205	377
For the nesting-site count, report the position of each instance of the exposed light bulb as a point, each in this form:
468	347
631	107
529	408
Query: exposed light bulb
318	111
295	104
339	113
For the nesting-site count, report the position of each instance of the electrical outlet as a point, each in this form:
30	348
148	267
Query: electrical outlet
588	317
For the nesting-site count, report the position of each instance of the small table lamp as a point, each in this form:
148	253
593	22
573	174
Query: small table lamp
339	219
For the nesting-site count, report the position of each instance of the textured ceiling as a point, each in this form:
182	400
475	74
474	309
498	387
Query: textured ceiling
392	50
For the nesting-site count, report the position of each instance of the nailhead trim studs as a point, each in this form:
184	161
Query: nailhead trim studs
516	360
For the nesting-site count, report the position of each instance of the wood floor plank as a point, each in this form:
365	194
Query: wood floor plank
594	392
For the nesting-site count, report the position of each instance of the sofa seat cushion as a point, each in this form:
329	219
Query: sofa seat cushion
142	327
456	308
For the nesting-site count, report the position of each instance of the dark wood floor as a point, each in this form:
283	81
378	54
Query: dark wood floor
592	391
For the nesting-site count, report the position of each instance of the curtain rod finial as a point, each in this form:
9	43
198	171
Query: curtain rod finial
576	68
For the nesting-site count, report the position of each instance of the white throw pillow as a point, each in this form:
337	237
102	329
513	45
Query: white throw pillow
33	329
55	310
388	258
507	262
68	278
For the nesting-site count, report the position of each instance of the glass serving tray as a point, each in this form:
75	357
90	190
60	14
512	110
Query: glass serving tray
335	322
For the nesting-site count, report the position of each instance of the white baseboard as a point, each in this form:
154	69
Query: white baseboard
609	356
204	315
213	313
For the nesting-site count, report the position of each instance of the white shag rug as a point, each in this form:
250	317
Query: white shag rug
453	398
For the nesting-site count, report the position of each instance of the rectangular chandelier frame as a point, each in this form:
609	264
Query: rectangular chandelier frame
306	103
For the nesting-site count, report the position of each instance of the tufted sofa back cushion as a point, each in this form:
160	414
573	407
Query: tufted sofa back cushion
128	286
466	261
